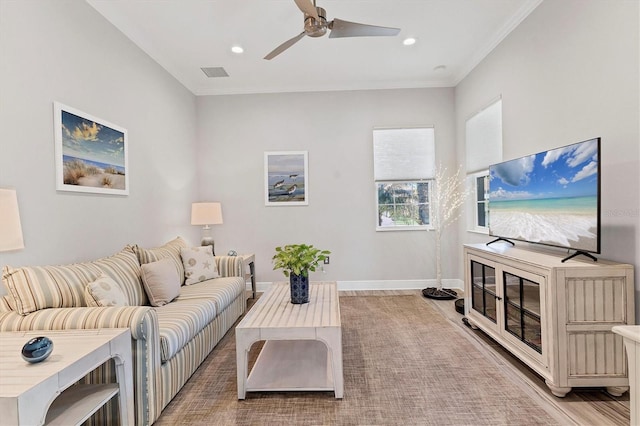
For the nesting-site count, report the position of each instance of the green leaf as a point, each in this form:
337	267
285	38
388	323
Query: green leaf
298	259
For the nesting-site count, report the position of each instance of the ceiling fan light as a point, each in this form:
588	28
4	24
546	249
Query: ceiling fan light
237	49
409	41
316	27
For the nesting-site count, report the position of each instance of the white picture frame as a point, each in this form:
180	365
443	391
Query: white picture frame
90	153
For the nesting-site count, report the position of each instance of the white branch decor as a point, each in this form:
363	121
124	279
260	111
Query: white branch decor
447	196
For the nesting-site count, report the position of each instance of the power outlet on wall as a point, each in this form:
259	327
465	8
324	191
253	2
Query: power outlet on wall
326	260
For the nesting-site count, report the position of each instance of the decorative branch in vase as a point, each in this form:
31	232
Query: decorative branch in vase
448	195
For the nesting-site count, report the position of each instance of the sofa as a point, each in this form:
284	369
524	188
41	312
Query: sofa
173	329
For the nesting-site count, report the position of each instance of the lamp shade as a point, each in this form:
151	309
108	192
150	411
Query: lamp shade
206	214
10	228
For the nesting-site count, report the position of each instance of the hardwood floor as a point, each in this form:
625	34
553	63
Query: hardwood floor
582	406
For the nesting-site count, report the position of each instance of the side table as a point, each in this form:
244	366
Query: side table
249	263
42	393
631	338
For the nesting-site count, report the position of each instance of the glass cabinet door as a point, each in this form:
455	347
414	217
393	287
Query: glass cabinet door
483	286
522	310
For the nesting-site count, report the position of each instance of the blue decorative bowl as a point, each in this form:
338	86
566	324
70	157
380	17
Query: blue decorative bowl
37	349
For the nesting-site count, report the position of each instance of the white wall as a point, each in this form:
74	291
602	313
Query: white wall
568	73
65	51
336	129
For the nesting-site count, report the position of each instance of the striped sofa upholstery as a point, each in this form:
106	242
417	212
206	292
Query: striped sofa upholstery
168	342
32	288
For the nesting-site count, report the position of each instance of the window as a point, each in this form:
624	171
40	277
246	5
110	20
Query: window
481	198
483	148
477	206
404	165
403	204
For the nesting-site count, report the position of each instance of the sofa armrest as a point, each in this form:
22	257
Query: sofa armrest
137	318
142	321
230	266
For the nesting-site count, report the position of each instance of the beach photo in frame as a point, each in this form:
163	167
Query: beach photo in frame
286	178
91	153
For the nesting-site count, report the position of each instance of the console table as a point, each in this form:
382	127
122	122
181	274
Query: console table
42	393
555	316
631	336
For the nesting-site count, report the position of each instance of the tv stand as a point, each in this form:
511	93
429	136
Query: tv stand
502	239
555	317
580	252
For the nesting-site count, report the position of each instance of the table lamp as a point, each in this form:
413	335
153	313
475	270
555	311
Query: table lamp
10	228
206	214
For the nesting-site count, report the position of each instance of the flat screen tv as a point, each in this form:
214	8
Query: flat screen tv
550	198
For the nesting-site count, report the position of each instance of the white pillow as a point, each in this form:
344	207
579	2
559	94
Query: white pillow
104	291
199	264
161	281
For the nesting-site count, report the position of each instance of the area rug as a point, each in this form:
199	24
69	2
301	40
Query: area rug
404	364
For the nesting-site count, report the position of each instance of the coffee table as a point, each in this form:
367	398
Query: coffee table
303	343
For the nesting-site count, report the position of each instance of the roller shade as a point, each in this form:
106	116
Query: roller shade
403	154
484	138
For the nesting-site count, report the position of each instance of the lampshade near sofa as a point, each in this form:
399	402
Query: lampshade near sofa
206	214
10	227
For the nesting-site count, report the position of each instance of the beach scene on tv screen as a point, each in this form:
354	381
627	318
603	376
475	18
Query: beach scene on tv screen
548	198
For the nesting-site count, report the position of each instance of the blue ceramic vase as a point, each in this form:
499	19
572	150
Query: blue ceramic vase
37	349
299	288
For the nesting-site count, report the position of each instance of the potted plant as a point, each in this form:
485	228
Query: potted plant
296	260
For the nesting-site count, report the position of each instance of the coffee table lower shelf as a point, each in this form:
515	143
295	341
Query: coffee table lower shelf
292	365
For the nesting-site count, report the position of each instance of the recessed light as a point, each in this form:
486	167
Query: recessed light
409	41
237	49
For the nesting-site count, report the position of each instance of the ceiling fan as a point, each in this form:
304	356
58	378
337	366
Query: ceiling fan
315	25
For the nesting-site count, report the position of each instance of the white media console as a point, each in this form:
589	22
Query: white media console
555	316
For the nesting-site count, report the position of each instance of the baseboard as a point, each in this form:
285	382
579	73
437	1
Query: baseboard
382	285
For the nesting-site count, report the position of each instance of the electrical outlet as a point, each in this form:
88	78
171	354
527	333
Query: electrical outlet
326	260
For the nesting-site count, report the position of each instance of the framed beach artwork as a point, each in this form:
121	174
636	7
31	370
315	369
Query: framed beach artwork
91	153
286	178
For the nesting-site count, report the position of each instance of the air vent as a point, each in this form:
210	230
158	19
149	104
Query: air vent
213	72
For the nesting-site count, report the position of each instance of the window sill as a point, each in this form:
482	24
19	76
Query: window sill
403	228
482	231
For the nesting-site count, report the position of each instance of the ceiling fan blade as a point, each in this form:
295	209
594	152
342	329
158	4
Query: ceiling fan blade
306	6
284	46
340	28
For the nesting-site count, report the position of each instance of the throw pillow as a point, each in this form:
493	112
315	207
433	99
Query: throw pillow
161	281
5	304
124	268
169	250
104	292
32	288
199	264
